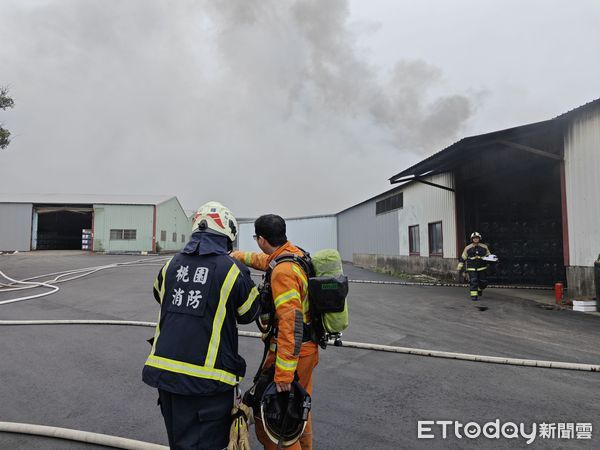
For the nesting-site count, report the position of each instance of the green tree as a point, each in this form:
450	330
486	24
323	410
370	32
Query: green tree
5	102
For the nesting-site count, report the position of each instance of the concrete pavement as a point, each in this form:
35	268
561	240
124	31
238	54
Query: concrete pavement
89	377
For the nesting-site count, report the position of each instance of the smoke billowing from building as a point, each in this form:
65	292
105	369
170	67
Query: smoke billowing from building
265	105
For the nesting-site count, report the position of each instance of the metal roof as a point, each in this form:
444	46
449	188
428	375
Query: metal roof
85	199
316	216
580	109
453	155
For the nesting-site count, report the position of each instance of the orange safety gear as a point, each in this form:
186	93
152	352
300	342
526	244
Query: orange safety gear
288	351
289	286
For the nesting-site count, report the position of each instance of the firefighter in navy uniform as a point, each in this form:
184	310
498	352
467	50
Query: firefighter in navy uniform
194	361
476	266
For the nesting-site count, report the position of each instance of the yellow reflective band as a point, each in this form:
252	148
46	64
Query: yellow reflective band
156	333
286	297
482	268
474	293
161	295
305	305
286	365
215	337
305	309
161	289
300	273
248	258
192	370
248	303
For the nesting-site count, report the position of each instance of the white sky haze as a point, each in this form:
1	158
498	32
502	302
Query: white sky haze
293	107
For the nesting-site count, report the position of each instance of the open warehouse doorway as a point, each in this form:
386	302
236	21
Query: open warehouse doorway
510	192
60	227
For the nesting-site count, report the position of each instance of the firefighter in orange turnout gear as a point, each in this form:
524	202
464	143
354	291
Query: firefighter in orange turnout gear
291	350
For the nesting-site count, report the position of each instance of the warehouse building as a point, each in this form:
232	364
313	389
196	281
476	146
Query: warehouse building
312	233
532	191
408	229
101	223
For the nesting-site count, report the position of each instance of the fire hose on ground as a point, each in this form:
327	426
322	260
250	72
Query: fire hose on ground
349	344
78	436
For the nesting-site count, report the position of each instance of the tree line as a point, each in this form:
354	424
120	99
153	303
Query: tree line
5	103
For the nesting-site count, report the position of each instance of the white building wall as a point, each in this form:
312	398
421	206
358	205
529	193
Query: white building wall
313	233
424	204
15	226
310	233
362	231
582	179
245	241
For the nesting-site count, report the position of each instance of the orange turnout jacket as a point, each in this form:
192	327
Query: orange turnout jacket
289	286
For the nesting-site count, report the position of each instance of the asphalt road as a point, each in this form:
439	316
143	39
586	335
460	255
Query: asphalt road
89	377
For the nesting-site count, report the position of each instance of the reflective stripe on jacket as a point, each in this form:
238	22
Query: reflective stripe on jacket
195	346
473	253
289	287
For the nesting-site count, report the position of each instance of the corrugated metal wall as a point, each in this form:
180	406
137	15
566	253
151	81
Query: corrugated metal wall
15	226
582	177
245	241
124	217
424	204
360	230
313	233
310	233
172	219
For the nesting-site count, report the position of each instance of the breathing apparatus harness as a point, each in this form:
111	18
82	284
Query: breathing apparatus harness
266	325
328	311
314	331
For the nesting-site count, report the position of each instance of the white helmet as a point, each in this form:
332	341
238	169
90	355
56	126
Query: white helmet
217	218
475	234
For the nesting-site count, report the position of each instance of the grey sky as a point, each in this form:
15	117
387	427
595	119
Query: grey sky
294	107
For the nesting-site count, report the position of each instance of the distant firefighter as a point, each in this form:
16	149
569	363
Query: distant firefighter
473	256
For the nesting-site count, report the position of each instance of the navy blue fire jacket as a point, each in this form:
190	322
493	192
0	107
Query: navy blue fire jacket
203	295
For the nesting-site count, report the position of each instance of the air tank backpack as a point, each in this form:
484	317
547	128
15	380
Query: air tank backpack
327	292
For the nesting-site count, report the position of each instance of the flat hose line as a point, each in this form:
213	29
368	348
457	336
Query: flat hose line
350	344
74	273
79	436
439	283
